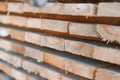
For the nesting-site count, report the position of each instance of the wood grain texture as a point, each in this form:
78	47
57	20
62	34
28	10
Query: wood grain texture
33	38
16	34
109	73
83	29
109	9
109	33
53	42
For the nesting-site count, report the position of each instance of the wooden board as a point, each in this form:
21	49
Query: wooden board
109	33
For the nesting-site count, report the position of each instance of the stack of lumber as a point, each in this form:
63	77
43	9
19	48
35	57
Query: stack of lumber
60	41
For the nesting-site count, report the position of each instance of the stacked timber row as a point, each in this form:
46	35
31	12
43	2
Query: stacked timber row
60	41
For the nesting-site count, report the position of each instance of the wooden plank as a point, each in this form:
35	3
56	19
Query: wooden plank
76	30
3	7
34	53
33	69
30	8
83	29
80	9
109	33
80	66
48	72
13	20
5	69
34	23
18	74
16	34
4	32
58	11
109	73
109	9
18	48
54	8
58	31
93	51
79	48
84	49
33	38
55	25
5	44
4	76
54	60
53	42
10	58
15	7
108	55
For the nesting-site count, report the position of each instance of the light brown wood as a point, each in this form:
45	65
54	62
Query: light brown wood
92	51
34	23
109	9
18	48
33	38
34	53
4	76
79	48
13	20
6	69
16	34
83	29
14	60
55	25
16	7
109	73
109	33
19	74
7	45
54	60
3	7
53	42
80	9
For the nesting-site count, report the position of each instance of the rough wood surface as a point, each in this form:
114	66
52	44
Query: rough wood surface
80	9
16	34
34	53
4	76
109	33
93	51
44	41
19	21
83	29
18	48
18	74
3	7
57	11
54	60
109	9
54	25
109	73
78	30
85	66
47	72
34	23
79	48
10	58
5	44
43	70
33	38
53	42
